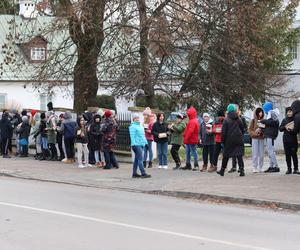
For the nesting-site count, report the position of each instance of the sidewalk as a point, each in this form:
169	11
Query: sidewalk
275	190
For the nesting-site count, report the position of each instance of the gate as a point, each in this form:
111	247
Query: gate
123	137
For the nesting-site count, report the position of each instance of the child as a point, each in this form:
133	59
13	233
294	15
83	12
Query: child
24	132
207	138
257	136
81	143
232	138
177	131
290	141
191	139
270	127
96	140
217	130
148	125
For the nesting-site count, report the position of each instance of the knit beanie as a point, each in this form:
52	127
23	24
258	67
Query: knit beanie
107	113
147	111
231	107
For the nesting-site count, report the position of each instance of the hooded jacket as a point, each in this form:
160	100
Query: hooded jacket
68	126
232	135
137	135
95	134
288	136
272	124
253	127
177	133
191	134
24	129
296	109
6	128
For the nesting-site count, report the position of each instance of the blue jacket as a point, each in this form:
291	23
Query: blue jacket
137	134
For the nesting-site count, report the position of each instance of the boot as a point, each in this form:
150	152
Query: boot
242	171
43	156
150	164
232	170
221	171
145	164
212	168
289	171
177	166
188	166
296	171
196	167
204	168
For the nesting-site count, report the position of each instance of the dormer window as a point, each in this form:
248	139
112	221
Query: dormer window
38	54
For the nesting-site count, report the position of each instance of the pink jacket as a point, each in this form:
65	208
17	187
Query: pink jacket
148	131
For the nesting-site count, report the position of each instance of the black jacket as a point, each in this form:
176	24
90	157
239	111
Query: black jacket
24	130
296	109
81	135
43	131
232	136
95	136
272	126
157	129
5	127
288	136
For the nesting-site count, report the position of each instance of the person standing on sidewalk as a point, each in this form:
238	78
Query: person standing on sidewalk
59	137
207	138
44	137
191	139
138	142
82	143
177	130
148	125
290	141
160	132
51	133
23	130
6	131
217	130
68	128
257	136
232	139
96	140
270	126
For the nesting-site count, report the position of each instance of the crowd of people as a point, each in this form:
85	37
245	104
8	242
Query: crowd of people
94	136
55	137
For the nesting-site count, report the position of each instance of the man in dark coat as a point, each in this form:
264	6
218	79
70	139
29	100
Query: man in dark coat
6	133
296	110
232	139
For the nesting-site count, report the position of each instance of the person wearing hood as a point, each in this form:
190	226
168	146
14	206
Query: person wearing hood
68	128
24	132
177	130
191	139
148	125
51	133
6	130
290	141
138	141
257	136
109	130
160	133
96	140
217	130
232	139
35	133
207	138
296	110
59	137
270	127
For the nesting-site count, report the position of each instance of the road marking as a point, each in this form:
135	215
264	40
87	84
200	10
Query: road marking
148	229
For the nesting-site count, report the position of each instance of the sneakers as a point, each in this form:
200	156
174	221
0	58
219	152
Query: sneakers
188	166
296	171
165	167
144	176
242	173
136	176
273	170
221	173
289	171
212	169
232	170
177	166
6	156
160	167
255	170
150	164
81	166
88	165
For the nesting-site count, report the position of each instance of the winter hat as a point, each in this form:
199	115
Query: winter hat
97	116
147	111
50	106
231	107
14	111
33	112
179	116
135	116
107	113
25	118
43	116
24	112
267	107
206	115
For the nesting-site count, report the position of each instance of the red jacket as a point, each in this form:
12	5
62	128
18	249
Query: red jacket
217	129
191	134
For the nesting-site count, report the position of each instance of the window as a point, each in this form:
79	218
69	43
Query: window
44	100
294	51
38	54
2	101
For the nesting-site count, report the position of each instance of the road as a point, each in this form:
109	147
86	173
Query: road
39	215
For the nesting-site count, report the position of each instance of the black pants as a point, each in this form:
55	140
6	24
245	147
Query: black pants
239	160
290	150
59	139
53	151
4	146
24	150
208	151
69	144
174	152
217	151
234	162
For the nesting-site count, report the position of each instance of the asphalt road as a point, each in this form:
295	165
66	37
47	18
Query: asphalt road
37	215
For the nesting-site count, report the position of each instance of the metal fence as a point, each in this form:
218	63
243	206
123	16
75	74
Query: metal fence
123	137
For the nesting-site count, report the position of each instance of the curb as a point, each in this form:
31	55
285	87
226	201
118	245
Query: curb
270	204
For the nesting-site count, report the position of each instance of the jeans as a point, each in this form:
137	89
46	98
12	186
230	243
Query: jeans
258	153
208	151
191	149
110	159
45	143
174	152
162	150
271	152
217	151
69	144
148	147
82	148
138	160
290	150
97	156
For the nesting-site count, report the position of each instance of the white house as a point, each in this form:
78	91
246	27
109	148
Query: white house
23	48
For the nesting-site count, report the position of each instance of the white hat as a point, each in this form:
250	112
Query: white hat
135	115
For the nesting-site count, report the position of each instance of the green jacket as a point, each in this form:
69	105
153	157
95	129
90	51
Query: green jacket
177	133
